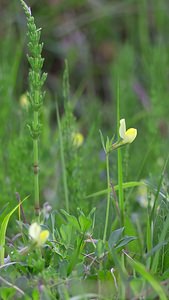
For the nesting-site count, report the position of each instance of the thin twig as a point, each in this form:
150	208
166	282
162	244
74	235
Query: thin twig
12	285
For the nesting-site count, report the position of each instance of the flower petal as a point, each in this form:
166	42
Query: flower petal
43	237
34	231
130	135
122	129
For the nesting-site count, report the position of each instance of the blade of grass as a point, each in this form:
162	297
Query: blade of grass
3	231
149	239
158	189
162	237
140	268
63	161
125	185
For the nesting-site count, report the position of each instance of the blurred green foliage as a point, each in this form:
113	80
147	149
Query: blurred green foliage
103	42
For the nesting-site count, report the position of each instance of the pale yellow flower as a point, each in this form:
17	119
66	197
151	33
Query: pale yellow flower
38	235
24	101
143	198
77	139
129	135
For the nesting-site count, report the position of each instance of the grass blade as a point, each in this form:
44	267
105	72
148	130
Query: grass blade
140	268
125	185
63	161
161	240
3	231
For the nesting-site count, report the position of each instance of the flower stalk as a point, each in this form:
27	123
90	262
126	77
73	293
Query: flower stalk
126	137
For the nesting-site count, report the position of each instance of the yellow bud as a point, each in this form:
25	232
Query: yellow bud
77	139
24	102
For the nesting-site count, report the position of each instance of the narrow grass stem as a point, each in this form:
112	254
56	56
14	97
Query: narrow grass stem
63	161
108	198
119	155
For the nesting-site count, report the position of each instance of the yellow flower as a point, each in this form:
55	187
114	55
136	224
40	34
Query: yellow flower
24	102
128	136
77	139
38	235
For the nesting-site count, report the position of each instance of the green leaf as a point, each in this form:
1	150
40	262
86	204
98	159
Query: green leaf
85	223
3	231
131	230
66	234
92	212
114	237
7	292
71	219
102	141
156	248
126	240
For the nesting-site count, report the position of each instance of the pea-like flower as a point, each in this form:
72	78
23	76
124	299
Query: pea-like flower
38	235
129	135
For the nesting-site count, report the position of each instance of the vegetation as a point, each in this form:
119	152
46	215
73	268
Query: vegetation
84	150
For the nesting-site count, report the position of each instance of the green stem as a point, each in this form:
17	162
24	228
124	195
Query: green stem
119	155
63	161
108	198
120	184
36	166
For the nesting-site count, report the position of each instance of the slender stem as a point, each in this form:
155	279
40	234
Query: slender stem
108	198
119	155
12	285
36	167
63	162
120	184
